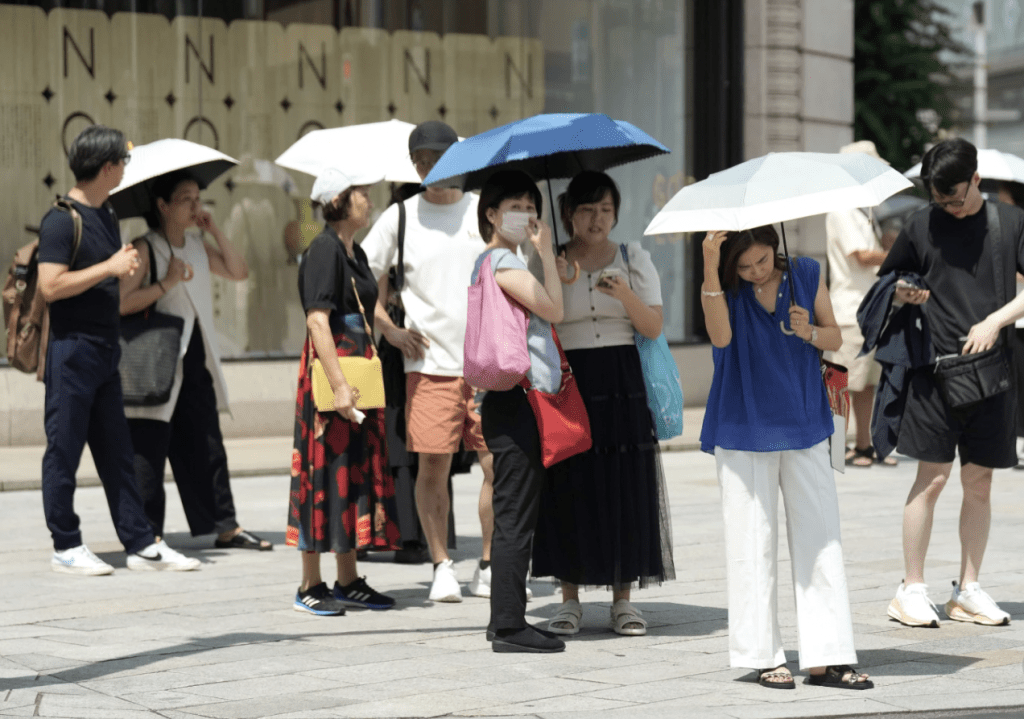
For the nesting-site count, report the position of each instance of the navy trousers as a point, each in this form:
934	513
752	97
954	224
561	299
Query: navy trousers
84	404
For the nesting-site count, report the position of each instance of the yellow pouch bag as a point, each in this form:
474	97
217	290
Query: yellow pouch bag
364	375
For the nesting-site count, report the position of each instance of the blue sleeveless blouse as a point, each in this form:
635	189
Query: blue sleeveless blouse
767	393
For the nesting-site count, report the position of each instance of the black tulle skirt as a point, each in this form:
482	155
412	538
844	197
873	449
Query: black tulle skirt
604	518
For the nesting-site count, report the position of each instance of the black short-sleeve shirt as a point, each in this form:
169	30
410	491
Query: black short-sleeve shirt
97	311
325	279
954	259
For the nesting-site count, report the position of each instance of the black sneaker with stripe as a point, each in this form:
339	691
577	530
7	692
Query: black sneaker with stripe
318	600
360	594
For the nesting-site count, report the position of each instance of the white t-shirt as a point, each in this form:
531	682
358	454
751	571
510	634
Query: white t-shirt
849	231
442	243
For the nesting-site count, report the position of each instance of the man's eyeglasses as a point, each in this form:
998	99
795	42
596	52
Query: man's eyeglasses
953	204
126	158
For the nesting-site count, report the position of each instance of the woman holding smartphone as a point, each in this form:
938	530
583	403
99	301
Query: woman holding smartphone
604	516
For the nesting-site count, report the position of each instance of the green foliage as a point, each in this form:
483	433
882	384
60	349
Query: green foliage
900	69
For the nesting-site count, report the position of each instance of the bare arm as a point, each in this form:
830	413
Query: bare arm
57	282
545	300
869	258
225	261
646	319
984	335
829	337
712	298
319	326
135	298
412	344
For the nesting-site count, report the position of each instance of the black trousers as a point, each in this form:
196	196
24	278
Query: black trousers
193	443
84	404
510	431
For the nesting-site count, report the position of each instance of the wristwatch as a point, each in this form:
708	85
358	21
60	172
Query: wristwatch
814	334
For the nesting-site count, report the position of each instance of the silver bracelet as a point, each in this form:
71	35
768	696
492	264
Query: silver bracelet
712	294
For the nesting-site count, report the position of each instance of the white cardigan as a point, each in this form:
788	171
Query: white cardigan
193	301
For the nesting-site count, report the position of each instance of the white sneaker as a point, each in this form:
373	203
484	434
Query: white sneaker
480	586
973	604
159	557
911	606
446	585
79	560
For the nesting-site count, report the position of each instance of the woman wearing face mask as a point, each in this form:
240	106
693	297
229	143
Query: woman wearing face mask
767	424
186	429
509	206
605	522
342	495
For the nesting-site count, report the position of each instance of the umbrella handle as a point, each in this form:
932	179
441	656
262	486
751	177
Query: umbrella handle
782	326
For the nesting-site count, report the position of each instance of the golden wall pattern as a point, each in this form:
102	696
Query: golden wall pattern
249	89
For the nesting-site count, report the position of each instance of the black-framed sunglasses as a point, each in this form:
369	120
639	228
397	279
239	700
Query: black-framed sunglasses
126	158
955	204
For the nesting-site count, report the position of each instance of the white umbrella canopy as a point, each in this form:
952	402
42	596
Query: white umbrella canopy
353	148
132	198
778	187
992	165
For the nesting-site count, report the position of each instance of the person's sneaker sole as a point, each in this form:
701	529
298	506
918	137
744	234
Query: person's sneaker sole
82	571
896	613
152	566
300	607
957	613
450	598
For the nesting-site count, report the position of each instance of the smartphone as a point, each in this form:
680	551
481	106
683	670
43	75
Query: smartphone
609	272
906	285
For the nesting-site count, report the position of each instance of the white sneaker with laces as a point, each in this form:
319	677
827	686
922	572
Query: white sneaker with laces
79	560
159	557
445	587
480	586
973	604
911	606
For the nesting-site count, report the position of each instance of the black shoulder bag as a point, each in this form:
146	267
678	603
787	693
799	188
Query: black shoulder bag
391	357
150	344
968	379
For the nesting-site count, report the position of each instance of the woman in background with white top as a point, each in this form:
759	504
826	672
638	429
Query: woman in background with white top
186	429
604	515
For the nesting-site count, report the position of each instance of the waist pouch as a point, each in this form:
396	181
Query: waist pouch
967	379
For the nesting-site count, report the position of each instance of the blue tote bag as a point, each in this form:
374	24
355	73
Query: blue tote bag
661	378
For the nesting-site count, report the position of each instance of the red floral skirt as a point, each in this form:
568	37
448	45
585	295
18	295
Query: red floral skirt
342	493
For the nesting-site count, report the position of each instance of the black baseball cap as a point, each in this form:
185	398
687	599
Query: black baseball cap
432	135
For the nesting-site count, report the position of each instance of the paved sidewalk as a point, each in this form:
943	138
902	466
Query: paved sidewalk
224	641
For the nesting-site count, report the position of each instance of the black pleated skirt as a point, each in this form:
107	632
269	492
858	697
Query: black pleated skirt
604	517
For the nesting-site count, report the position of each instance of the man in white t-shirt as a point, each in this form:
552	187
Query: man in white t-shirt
854	255
442	242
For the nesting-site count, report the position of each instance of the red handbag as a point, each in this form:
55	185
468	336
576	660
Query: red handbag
562	420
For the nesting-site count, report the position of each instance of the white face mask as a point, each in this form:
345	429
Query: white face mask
514	225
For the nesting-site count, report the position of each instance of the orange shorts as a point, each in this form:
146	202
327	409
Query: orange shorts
438	413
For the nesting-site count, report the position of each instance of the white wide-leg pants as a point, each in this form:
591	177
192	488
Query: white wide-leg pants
750	483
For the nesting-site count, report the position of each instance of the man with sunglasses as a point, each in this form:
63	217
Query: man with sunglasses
951	245
83	386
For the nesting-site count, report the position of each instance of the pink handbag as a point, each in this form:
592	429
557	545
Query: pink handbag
495	352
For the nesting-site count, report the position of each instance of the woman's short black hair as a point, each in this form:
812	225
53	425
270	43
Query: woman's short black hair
163	188
586	188
94	147
736	243
948	164
337	211
501	186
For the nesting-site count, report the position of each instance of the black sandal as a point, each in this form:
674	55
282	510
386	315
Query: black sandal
841	676
856	456
244	540
765	676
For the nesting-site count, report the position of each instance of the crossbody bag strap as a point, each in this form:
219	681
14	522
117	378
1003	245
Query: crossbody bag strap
366	322
996	246
629	267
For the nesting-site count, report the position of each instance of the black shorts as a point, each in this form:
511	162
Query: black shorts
931	431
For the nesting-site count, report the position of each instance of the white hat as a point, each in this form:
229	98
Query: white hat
865	146
332	182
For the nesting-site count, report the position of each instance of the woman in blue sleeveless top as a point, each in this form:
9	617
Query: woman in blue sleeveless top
768	423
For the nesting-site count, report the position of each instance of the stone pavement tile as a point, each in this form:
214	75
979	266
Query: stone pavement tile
381	685
945	700
529	690
1007	675
964	646
42	662
986	660
397	670
793	710
631	673
591	706
673	709
247	669
647	693
159	700
907	671
927	685
261	707
262	687
137	683
424	705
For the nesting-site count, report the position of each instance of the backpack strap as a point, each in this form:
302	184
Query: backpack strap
996	248
64	204
400	267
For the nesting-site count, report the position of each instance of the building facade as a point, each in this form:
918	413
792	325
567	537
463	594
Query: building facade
717	81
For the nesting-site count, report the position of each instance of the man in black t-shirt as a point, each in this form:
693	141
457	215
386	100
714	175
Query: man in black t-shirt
950	245
83	385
